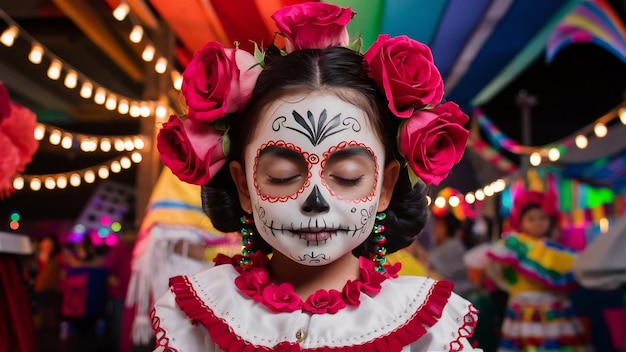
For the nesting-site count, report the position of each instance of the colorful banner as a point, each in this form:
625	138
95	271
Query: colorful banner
593	21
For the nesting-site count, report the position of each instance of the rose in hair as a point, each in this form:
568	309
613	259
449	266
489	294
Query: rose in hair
192	149
218	81
434	140
313	25
403	68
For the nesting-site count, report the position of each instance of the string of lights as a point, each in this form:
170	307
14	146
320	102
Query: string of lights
89	88
88	143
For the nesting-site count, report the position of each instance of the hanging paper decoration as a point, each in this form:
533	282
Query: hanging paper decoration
495	136
593	21
491	155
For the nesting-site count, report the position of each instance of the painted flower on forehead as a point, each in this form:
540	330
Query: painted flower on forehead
218	81
313	25
434	140
404	70
192	149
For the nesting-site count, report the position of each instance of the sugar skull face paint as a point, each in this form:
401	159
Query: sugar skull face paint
313	171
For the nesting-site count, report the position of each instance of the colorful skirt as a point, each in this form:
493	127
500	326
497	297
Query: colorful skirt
542	321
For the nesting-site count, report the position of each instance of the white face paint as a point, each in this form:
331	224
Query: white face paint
314	169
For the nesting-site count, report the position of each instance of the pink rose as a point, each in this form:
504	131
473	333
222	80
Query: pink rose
218	81
313	25
192	149
252	282
352	292
324	301
404	69
434	140
281	298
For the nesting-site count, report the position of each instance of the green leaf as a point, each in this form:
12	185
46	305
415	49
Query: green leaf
356	44
258	55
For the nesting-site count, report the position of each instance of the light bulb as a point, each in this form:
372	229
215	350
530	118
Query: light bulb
440	202
581	141
136	157
8	36
36	54
123	107
125	162
622	116
71	79
55	137
89	176
136	34
469	198
148	53
454	201
139	144
161	65
177	79
18	183
479	194
118	144
160	112
40	132
61	182
105	145
35	184
75	180
116	167
535	159
66	141
121	11
49	183
86	89
600	130
54	71
111	102
103	172
145	110
129	145
100	96
554	154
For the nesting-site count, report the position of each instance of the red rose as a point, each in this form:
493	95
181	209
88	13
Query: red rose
434	140
324	301
352	292
371	279
404	69
313	25
281	298
218	81
192	149
252	282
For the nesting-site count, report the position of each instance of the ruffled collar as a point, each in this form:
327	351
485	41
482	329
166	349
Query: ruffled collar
282	297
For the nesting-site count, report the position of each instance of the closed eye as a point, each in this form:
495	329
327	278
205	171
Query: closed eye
276	180
348	181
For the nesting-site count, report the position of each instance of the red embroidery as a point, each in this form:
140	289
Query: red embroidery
159	333
344	145
466	329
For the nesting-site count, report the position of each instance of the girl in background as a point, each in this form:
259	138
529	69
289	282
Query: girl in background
537	274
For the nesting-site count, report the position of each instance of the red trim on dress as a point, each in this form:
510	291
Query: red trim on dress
160	334
466	330
427	314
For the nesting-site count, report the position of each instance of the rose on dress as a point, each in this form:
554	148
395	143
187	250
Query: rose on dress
434	140
404	70
218	81
252	282
313	25
323	301
281	298
192	149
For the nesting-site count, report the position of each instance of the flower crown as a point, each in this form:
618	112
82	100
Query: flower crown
219	81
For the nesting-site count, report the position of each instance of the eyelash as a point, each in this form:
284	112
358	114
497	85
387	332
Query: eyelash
277	181
348	182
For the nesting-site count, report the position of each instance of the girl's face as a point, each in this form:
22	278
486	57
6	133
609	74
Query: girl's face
535	223
314	172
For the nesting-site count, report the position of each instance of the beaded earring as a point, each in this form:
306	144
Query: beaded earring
247	230
379	239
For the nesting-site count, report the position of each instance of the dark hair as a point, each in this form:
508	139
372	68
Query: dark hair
339	71
531	206
56	245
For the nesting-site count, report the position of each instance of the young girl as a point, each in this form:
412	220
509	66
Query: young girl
537	274
314	174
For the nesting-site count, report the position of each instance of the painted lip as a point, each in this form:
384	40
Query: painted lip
315	234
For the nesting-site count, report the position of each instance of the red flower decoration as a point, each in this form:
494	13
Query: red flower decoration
404	70
324	301
434	140
192	149
218	81
313	25
281	298
255	283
